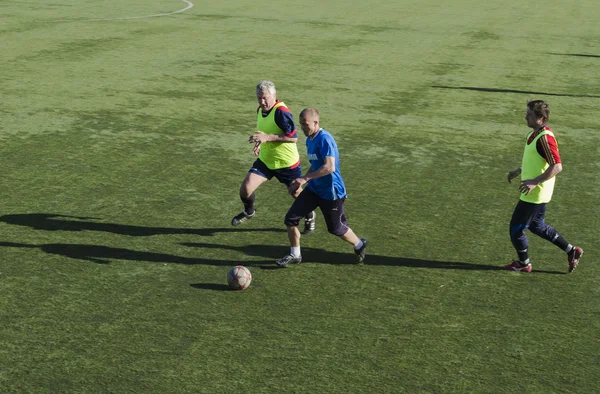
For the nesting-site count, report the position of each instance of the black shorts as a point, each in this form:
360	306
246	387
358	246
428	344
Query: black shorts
308	201
283	175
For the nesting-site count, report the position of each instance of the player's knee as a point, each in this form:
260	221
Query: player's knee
291	220
539	228
337	230
517	231
337	233
248	187
517	236
535	230
246	190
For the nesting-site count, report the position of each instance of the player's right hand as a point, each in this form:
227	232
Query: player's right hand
513	174
256	149
294	189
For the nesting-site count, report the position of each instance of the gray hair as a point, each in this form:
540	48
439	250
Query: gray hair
266	86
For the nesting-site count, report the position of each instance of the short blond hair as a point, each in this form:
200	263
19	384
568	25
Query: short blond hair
310	112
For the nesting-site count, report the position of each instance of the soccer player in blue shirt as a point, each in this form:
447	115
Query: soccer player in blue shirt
324	189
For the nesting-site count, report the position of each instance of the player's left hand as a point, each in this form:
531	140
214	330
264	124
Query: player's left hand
527	186
256	149
259	137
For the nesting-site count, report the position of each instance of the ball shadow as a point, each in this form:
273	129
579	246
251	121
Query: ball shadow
211	286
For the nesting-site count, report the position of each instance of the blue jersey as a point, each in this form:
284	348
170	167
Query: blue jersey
331	186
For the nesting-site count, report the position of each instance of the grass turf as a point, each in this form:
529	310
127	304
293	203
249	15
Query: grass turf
124	143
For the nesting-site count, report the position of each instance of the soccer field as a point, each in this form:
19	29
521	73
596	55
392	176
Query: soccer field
124	138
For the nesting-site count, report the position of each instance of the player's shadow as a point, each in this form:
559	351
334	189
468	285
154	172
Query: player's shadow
55	222
497	90
574	55
268	253
321	256
105	254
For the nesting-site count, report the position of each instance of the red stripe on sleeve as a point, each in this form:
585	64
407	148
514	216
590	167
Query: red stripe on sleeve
548	149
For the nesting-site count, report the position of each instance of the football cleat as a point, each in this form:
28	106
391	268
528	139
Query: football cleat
241	218
360	253
574	256
517	266
288	259
309	225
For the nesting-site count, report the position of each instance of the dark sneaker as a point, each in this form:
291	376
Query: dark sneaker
289	259
574	256
309	225
241	218
517	266
360	253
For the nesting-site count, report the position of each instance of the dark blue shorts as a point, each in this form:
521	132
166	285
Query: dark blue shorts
527	216
283	175
333	211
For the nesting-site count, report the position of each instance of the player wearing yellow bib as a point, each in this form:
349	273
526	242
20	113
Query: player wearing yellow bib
540	165
275	144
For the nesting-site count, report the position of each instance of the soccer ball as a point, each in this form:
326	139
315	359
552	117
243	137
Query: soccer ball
239	277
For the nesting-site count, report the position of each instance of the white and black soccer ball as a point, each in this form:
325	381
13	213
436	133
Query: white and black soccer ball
239	277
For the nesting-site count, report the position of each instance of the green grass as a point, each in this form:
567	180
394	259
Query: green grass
123	144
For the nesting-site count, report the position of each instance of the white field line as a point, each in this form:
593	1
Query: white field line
189	5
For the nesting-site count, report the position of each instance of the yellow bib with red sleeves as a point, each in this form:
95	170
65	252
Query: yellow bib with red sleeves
275	155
